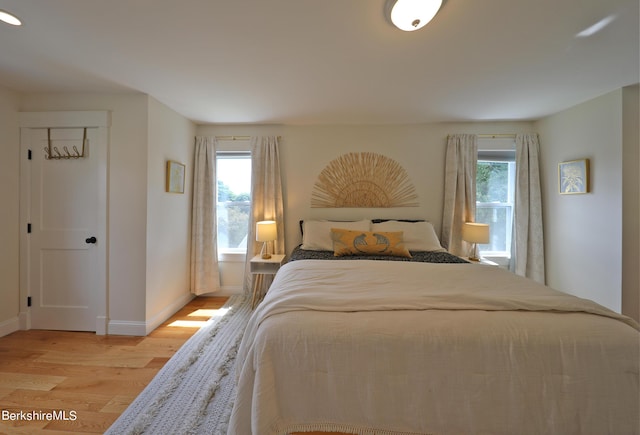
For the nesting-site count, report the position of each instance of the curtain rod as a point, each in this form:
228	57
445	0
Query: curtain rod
236	137
233	137
495	136
498	136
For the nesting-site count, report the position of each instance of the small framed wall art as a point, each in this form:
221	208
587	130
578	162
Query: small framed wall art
573	177
175	177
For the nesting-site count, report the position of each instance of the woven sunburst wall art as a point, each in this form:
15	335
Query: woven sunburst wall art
363	180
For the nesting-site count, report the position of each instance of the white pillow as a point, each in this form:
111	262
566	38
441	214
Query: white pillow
418	236
316	234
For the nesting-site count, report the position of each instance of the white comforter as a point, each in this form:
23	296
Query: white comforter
370	347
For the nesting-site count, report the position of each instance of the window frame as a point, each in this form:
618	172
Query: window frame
499	150
231	254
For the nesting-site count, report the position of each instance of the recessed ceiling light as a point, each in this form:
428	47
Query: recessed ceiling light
9	18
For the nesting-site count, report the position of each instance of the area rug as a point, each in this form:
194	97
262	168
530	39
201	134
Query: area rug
194	392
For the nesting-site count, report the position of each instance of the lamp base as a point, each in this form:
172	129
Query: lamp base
473	255
263	252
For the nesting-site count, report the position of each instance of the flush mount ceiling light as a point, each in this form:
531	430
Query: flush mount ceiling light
9	18
410	15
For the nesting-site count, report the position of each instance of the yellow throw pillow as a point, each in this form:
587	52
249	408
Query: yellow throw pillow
348	242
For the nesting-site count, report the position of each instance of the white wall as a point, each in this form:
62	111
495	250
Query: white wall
9	214
171	137
583	233
306	150
631	202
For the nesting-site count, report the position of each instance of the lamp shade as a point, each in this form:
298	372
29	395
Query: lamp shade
410	15
266	231
475	233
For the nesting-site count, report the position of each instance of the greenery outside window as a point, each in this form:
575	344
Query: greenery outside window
495	191
233	201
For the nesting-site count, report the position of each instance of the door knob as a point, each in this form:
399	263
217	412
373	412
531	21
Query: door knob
91	240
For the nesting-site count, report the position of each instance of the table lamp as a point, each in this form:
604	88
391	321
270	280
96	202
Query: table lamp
475	233
265	232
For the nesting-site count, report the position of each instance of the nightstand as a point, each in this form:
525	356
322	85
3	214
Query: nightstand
482	261
260	267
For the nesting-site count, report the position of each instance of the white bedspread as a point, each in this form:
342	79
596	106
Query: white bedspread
371	347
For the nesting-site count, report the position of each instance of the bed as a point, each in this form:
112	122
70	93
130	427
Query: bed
381	346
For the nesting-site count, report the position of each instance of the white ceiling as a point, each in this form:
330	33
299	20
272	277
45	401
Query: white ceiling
325	61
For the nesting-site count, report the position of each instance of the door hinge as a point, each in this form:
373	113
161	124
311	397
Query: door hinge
29	154
29	228
28	301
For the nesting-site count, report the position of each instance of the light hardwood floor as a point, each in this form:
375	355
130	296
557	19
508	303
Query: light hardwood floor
92	378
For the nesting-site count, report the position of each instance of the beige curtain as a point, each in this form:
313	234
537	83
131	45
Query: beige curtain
459	191
528	240
205	276
266	202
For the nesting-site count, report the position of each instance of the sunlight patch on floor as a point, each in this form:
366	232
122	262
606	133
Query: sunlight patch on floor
188	323
204	313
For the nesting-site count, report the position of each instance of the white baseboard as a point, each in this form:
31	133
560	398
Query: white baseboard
102	325
24	319
127	327
9	326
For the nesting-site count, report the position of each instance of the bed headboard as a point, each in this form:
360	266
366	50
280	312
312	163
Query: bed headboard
366	179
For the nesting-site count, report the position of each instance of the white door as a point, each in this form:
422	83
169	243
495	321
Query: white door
64	275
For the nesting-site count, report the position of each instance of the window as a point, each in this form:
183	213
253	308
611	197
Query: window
233	172
495	189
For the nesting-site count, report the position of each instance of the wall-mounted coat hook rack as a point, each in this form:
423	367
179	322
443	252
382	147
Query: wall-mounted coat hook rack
53	153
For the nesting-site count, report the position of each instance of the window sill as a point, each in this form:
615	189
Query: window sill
501	260
232	257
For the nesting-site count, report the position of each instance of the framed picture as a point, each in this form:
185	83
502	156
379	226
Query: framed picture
175	177
573	177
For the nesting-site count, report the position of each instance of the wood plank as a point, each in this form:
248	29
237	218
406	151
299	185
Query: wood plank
118	404
4	392
71	371
158	346
102	386
157	363
17	353
90	422
320	433
43	339
28	430
110	358
56	399
29	382
21	427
